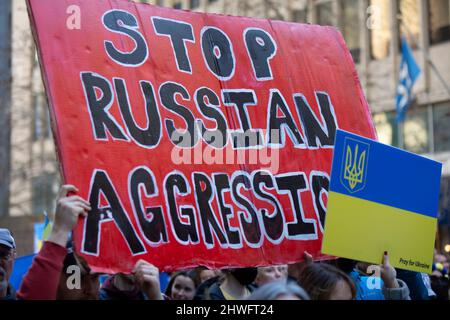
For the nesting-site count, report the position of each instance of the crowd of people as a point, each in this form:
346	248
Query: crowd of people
339	279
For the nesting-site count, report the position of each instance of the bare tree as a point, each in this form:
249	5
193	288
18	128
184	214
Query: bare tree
32	151
273	11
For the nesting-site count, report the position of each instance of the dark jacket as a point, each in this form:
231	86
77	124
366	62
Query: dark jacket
415	283
10	294
214	293
202	290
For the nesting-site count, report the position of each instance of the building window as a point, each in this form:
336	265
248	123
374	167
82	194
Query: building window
194	4
44	193
409	24
444	209
41	118
417	132
439	20
300	15
37	120
416	137
441	127
177	5
211	1
380	32
351	28
387	129
325	13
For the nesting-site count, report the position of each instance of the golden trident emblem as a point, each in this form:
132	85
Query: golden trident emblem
354	167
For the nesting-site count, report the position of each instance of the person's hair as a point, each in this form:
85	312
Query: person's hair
346	265
272	290
69	260
196	274
186	273
319	280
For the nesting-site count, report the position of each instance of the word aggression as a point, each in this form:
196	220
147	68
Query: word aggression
255	224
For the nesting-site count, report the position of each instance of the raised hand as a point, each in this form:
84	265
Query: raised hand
388	273
68	209
147	278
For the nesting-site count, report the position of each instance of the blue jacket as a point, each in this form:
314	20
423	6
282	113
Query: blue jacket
363	292
379	291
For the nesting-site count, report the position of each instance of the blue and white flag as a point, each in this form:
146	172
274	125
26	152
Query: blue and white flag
409	71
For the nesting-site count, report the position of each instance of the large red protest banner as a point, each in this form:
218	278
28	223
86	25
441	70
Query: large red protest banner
199	139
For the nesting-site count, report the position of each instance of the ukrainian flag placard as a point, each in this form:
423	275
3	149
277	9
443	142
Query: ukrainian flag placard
381	199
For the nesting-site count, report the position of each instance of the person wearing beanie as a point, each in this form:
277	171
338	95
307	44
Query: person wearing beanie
7	256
